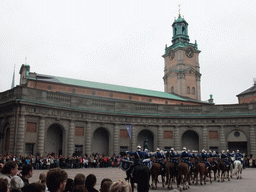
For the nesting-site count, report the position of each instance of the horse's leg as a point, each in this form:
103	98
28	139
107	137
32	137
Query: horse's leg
228	175
163	181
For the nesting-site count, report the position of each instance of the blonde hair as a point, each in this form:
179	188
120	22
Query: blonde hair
120	186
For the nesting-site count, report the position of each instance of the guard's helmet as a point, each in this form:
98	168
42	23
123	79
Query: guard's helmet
184	148
157	149
203	150
172	149
138	147
223	151
146	150
214	152
237	151
227	150
210	151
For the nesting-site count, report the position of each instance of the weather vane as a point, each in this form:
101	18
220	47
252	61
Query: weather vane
179	10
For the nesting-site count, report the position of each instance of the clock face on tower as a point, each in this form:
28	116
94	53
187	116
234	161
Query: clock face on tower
189	52
171	54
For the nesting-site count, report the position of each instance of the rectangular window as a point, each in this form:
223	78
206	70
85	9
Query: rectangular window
78	150
168	135
79	131
31	127
123	148
29	148
124	133
213	134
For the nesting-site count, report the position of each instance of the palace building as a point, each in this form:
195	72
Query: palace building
46	114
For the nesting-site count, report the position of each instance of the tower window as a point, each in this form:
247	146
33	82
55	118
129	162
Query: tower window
172	89
193	91
175	31
188	90
183	30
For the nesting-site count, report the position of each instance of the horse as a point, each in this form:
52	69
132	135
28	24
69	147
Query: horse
183	174
155	171
216	168
238	169
224	169
171	173
141	176
201	168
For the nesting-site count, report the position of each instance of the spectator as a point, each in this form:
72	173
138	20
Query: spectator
27	172
56	180
42	180
4	185
69	185
120	186
79	179
102	182
16	184
106	185
90	182
79	188
34	187
9	170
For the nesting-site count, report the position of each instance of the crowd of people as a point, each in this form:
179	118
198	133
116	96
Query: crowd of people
55	180
53	161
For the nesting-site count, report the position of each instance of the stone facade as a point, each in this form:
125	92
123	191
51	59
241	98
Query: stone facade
58	119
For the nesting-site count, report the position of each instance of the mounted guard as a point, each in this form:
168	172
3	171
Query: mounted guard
185	157
159	158
239	156
224	158
204	156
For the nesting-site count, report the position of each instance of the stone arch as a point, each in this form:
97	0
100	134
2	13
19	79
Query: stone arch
237	139
54	139
100	141
190	140
5	135
143	134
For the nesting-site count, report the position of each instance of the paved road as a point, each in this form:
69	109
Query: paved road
246	184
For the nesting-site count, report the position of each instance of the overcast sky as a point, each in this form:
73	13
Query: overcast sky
122	42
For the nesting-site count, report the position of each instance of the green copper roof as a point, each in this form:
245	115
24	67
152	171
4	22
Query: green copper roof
180	19
108	87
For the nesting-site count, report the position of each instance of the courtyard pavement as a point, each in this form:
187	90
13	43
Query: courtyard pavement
246	184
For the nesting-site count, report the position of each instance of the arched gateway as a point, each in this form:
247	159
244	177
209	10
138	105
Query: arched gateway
190	140
146	136
54	139
237	140
100	141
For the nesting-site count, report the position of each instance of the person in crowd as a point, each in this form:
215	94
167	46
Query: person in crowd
79	179
120	186
69	185
79	188
56	180
27	172
16	184
104	180
34	187
42	180
90	183
4	185
106	185
9	170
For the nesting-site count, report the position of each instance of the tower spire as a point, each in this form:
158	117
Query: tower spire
13	78
179	10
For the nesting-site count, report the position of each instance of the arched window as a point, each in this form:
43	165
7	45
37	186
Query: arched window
175	31
183	30
193	91
188	90
172	89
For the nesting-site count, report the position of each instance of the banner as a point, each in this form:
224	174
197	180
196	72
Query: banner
129	130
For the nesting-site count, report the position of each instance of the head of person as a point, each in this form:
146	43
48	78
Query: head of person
227	151
172	150
56	179
42	178
79	188
157	149
120	186
4	185
79	179
184	149
27	171
34	187
103	180
90	181
69	185
10	168
16	183
105	187
138	148
237	151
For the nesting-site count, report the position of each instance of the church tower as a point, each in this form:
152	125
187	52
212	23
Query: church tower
182	72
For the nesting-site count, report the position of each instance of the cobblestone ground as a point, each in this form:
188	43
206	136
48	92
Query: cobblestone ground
246	184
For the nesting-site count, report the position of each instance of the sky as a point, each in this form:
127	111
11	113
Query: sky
121	42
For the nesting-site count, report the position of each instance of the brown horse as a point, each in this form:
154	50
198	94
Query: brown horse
201	168
155	171
183	174
215	168
224	169
171	173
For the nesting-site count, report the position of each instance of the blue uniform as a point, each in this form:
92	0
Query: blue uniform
224	158
204	158
239	157
138	156
185	158
159	157
173	158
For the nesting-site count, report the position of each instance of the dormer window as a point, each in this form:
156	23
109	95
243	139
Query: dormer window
175	31
183	30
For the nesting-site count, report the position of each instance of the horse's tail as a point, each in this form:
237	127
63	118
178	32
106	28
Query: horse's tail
236	163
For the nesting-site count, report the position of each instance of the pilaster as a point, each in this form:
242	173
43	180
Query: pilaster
160	137
252	140
71	135
222	138
176	138
88	141
116	147
205	138
41	130
133	140
21	136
